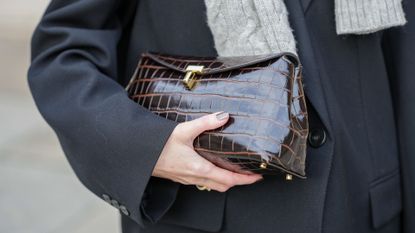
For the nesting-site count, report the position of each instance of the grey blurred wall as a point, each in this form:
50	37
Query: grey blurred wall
39	193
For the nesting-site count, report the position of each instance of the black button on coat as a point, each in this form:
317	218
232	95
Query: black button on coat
317	137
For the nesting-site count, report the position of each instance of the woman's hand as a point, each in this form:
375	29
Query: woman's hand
179	161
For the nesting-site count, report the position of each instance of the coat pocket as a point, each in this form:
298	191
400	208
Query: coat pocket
196	209
385	199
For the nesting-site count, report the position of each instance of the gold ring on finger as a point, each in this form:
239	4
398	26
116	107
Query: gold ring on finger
202	187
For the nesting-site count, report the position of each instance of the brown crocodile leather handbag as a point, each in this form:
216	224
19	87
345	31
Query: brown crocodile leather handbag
264	96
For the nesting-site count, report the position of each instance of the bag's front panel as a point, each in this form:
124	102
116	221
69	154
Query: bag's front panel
268	127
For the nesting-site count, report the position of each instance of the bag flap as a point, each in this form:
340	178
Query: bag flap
215	64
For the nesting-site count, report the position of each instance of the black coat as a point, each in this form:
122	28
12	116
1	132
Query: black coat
360	170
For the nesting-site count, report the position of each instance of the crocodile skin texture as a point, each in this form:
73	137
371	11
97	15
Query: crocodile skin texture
263	95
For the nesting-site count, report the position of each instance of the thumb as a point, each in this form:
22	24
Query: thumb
210	121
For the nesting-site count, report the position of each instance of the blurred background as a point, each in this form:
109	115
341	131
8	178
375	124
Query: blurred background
39	193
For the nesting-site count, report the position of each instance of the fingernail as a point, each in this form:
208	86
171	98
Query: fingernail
222	115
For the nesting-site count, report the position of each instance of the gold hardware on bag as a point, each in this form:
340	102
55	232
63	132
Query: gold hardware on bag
263	165
289	177
191	71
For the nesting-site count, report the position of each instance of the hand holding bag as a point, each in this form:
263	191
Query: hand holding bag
268	126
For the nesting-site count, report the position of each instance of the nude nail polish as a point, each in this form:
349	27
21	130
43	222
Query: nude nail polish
222	115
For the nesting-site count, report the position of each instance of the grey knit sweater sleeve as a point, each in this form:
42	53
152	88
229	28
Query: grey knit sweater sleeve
366	16
250	27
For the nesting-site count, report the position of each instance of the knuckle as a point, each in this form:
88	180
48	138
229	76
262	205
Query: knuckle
193	180
208	168
182	181
199	168
185	182
178	131
193	166
228	181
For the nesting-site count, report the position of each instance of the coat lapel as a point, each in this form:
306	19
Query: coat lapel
311	68
306	4
319	160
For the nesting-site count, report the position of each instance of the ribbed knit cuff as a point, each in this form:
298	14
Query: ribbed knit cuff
362	17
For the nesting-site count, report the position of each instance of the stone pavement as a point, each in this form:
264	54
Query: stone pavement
39	192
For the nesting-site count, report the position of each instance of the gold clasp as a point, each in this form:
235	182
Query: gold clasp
191	71
263	165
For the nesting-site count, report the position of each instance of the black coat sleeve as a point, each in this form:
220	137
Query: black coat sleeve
111	142
399	50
